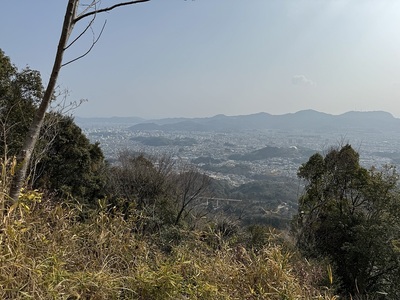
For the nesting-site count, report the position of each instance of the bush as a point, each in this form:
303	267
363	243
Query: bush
49	252
349	215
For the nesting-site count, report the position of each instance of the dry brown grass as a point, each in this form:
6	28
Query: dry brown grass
61	251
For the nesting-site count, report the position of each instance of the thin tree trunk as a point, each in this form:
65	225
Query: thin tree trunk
70	19
34	130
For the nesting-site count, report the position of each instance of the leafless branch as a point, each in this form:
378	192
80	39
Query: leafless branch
89	6
90	49
82	33
62	107
96	11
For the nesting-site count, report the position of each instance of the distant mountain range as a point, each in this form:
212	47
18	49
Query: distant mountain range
303	120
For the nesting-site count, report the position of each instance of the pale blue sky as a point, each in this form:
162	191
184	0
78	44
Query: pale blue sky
173	58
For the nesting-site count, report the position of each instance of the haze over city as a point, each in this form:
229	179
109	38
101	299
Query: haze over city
201	58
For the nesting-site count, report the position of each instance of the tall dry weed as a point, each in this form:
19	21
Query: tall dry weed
64	251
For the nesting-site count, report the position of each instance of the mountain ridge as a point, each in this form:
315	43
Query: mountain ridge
302	120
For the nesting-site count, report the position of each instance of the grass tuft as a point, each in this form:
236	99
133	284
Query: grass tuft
49	251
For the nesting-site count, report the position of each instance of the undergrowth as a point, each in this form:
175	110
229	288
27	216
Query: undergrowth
52	250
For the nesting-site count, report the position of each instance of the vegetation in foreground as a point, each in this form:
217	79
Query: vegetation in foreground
49	251
350	215
135	230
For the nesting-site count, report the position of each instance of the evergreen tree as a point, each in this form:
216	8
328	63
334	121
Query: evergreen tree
351	215
71	166
64	161
20	93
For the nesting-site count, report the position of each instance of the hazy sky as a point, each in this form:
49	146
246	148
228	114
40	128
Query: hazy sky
173	58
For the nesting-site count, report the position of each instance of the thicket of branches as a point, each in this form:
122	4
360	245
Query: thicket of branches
73	227
83	229
350	215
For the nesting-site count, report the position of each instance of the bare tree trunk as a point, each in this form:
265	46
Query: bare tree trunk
70	19
34	130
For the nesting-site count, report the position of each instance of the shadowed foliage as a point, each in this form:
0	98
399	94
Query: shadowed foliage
351	215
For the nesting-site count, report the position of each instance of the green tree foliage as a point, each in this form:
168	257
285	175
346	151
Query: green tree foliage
351	215
20	93
71	165
64	161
